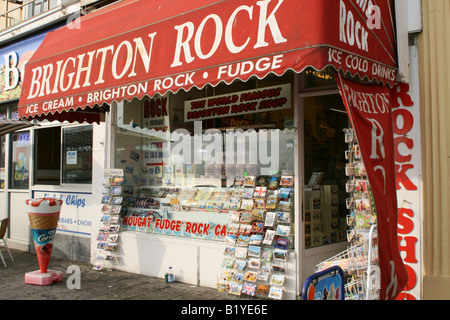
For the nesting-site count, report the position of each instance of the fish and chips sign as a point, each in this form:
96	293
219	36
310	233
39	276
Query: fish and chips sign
239	103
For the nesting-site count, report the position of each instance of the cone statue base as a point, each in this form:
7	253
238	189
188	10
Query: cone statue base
43	279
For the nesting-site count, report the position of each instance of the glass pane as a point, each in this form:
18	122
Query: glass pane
77	155
21	155
48	156
223	177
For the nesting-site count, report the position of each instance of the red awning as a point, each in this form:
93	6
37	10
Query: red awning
136	48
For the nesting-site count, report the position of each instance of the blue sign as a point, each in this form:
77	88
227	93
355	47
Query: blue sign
325	285
13	58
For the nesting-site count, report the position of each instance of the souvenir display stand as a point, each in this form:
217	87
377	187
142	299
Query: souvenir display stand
108	232
259	237
360	260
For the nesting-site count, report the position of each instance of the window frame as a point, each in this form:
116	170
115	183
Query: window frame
68	184
61	184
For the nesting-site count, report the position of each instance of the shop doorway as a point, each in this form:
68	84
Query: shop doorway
322	118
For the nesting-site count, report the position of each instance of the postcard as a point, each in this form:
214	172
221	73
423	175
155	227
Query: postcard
255	239
240	264
254	251
277	280
229	251
102	236
235	289
254	263
260	192
283	230
247	204
242	241
249	181
274	181
246	217
270	234
227	263
111	246
249	289
276	293
259	203
257	227
258	215
262	289
278	266
280	254
287	181
245	229
281	243
266	255
251	276
237	277
283	217
241	253
270	219
247	193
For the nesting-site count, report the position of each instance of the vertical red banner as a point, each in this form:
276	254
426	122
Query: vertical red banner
370	110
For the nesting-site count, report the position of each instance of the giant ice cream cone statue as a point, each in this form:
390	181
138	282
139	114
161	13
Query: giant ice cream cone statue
44	215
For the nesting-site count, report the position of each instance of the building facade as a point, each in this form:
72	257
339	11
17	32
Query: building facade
131	133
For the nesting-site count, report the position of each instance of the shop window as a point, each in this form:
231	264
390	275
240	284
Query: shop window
324	166
20	159
63	155
193	158
48	156
77	155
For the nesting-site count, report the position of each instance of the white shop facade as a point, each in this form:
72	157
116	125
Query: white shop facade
215	127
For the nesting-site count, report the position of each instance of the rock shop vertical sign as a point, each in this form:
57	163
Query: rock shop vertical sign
406	120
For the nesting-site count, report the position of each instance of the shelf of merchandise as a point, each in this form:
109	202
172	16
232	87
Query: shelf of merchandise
108	233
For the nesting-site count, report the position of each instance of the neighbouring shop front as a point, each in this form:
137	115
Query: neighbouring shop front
219	135
34	160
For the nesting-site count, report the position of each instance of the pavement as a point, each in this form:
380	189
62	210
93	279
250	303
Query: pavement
93	284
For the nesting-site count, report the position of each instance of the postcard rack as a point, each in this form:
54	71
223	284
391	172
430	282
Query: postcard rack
360	260
108	232
259	237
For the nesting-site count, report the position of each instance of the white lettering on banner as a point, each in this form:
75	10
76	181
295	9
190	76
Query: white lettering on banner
360	64
392	286
117	93
246	67
11	72
178	81
352	32
64	79
186	31
57	104
377	140
368	102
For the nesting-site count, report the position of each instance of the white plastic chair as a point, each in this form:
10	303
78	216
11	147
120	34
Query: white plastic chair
3	226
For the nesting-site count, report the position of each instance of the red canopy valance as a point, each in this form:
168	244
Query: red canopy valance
136	48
